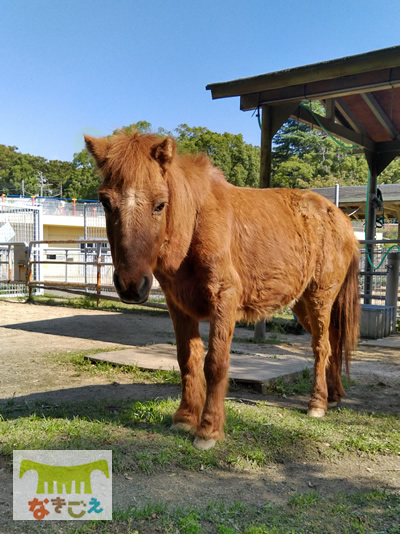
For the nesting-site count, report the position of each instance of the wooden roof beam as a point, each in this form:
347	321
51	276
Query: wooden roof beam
349	117
380	114
388	146
343	86
330	105
304	115
387	58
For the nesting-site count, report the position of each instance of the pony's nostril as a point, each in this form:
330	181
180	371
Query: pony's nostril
144	286
117	282
131	292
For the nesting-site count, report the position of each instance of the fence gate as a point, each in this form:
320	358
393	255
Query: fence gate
18	224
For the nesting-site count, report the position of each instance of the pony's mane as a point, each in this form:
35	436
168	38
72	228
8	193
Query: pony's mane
202	167
129	154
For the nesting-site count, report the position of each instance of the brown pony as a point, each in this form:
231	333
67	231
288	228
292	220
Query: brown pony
226	253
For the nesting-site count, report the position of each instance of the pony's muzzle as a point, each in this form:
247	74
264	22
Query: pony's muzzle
133	293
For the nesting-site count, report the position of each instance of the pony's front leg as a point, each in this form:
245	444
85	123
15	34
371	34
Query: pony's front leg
216	367
190	352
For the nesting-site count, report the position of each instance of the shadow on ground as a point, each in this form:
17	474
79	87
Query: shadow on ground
119	328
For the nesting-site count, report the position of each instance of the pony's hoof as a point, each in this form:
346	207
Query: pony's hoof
333	404
183	427
203	444
316	412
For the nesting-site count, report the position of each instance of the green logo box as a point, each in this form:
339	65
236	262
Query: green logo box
62	485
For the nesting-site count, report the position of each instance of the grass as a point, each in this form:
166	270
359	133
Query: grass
258	436
81	363
310	513
139	433
366	512
140	436
300	384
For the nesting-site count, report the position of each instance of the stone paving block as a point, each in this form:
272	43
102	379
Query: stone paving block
254	369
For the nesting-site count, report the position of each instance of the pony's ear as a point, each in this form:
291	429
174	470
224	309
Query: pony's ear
164	152
98	147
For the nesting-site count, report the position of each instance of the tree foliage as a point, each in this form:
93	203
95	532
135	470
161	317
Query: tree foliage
305	158
239	161
302	157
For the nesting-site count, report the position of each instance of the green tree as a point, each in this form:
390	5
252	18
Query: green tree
239	161
22	177
83	179
391	175
7	154
143	127
318	159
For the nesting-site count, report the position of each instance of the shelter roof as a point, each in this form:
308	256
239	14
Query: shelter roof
361	95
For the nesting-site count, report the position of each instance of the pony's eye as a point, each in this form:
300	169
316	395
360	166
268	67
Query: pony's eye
106	204
159	208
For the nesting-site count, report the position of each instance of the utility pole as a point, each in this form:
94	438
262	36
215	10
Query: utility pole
41	183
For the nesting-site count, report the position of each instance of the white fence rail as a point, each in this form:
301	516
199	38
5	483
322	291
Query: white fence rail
83	270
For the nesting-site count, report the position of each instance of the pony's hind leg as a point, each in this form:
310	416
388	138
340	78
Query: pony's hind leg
318	306
334	369
190	351
300	311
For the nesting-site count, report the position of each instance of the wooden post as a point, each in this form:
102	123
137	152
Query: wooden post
30	275
98	280
265	181
272	119
266	147
392	285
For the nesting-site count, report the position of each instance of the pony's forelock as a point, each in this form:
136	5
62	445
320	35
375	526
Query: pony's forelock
129	156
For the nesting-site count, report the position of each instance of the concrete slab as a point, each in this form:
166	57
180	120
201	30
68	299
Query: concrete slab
255	369
391	342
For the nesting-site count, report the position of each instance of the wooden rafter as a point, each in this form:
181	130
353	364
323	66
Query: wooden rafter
338	130
328	70
380	115
342	86
349	117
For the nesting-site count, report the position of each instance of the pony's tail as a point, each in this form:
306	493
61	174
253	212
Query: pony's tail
346	311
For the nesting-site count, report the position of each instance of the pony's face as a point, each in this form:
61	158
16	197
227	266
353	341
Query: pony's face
134	195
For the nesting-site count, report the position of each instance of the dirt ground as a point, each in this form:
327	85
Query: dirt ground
28	333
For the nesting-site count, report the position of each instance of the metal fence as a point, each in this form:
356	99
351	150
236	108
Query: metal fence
19	223
51	206
94	221
83	270
373	274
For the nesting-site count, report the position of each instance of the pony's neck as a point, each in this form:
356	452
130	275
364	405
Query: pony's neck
188	187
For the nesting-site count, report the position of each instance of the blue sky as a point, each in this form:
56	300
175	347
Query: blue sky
70	67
